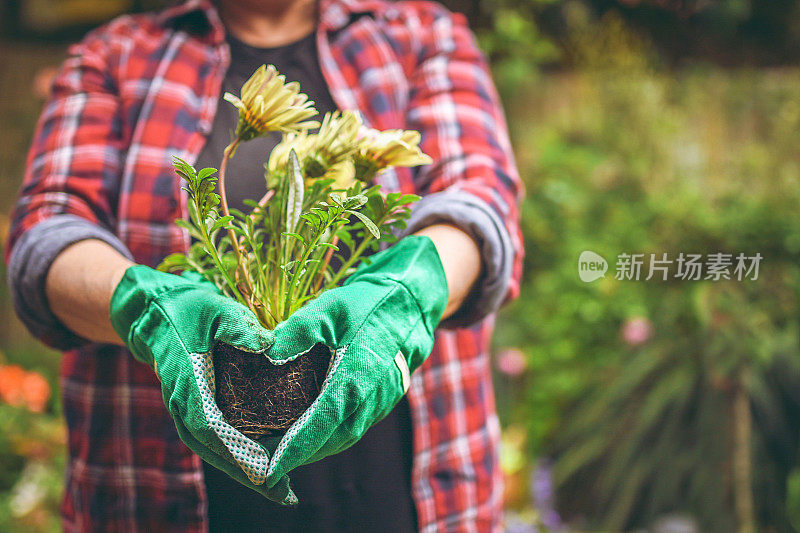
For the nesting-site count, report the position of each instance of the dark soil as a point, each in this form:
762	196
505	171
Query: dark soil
260	398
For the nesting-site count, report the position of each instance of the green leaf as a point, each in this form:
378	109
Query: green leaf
370	225
193	231
205	173
408	199
237	213
337	199
174	262
229	262
354	202
221	222
345	237
294	201
288	266
184	169
313	218
295	235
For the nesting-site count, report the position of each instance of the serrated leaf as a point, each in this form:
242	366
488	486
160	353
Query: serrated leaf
354	202
221	222
336	199
408	199
205	173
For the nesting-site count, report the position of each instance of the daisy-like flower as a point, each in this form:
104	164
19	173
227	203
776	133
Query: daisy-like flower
334	147
379	150
338	133
326	154
268	103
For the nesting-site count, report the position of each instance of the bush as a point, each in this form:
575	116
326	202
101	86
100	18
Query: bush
633	385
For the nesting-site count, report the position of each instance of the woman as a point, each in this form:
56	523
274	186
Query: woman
100	195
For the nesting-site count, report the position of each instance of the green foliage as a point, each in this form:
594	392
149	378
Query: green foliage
616	158
32	448
286	244
513	42
630	161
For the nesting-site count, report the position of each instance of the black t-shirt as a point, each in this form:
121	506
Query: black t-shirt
298	62
368	486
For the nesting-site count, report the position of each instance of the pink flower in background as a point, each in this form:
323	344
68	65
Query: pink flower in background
637	330
512	362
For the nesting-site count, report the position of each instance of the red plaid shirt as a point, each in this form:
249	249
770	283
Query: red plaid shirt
144	88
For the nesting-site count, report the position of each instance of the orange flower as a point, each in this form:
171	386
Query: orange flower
36	391
11	378
21	388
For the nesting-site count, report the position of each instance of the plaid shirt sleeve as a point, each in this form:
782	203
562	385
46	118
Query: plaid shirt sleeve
473	182
72	175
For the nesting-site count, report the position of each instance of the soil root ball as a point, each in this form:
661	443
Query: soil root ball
260	398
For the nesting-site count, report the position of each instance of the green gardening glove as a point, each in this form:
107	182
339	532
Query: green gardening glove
173	323
380	327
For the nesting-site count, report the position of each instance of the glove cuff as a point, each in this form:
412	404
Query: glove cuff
131	297
415	264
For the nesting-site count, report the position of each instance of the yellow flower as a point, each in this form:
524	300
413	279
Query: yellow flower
326	154
338	133
343	173
334	147
379	150
269	104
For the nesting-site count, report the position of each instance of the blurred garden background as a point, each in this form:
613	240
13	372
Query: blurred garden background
640	126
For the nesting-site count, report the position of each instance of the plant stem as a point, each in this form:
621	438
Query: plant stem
350	260
312	275
263	202
225	212
325	262
215	256
299	266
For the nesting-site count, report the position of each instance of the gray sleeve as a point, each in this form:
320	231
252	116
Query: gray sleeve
29	263
473	216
